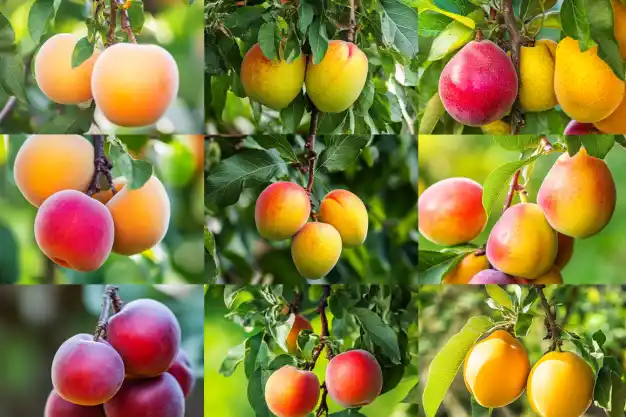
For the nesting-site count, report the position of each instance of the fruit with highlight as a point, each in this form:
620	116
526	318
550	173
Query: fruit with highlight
290	392
347	213
281	210
56	406
315	250
354	378
537	63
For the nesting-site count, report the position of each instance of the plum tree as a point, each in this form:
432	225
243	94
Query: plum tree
54	73
181	370
347	213
47	164
156	397
315	250
337	81
577	128
522	243
300	323
281	210
536	91
87	372
465	270
74	230
483	365
273	83
290	392
451	211
479	84
560	384
565	251
56	406
147	336
581	181
491	276
354	378
585	86
144	86
141	216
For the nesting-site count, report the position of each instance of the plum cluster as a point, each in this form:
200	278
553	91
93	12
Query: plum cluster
139	369
76	231
145	85
283	209
530	243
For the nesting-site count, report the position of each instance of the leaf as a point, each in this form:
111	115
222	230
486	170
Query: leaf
451	39
381	334
425	5
82	52
40	15
600	14
523	323
306	12
602	390
267	40
518	143
278	142
136	16
341	152
292	114
225	183
432	114
575	22
13	76
435	273
318	40
598	145
448	360
244	17
210	256
9	256
499	295
332	123
551	20
573	144
256	398
136	171
478	410
618	396
68	123
402	21
7	34
366	98
232	360
430	24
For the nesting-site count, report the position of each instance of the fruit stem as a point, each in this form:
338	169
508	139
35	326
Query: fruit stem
7	108
552	328
514	35
352	25
311	155
512	188
323	407
108	300
545	143
102	165
125	20
324	342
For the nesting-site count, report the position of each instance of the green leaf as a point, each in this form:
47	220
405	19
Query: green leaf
9	256
245	169
478	410
318	39
333	123
7	34
244	17
598	145
82	52
426	5
232	360
136	171
40	15
518	143
72	122
575	22
573	144
292	114
399	23
432	114
523	323
453	37
618	396
306	12
430	24
435	273
256	396
499	295
366	99
600	13
532	8
551	20
381	334
210	255
13	76
602	390
136	16
267	40
448	360
341	152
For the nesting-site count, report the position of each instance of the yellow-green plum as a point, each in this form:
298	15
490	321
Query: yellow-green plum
281	210
347	213
522	243
578	195
315	250
272	83
290	392
337	81
451	211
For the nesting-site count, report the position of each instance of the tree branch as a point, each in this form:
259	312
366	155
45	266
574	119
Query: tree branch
517	119
324	342
102	165
552	328
512	189
311	155
125	21
108	298
112	24
352	25
7	108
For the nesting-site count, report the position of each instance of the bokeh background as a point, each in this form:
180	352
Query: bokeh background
226	396
36	320
598	259
178	161
175	25
444	309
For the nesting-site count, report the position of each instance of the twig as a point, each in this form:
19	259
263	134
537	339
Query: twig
323	407
324	342
546	145
512	189
125	21
352	27
552	328
102	165
110	294
311	155
112	24
517	119
7	108
294	307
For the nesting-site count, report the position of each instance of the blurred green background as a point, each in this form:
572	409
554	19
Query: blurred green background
226	396
173	24
598	259
36	320
177	161
444	309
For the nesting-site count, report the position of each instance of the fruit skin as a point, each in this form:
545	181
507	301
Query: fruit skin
578	195
484	365
619	14
315	250
466	269
491	276
300	323
144	86
552	277
47	164
274	84
451	211
74	230
141	216
281	210
565	252
181	370
290	392
479	85
536	91
86	372
522	243
56	406
585	86
354	378
615	124
337	81
576	128
560	385
154	397
499	127
147	336
347	213
54	73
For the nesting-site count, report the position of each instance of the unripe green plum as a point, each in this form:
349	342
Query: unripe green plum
281	210
522	243
347	213
315	250
354	378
